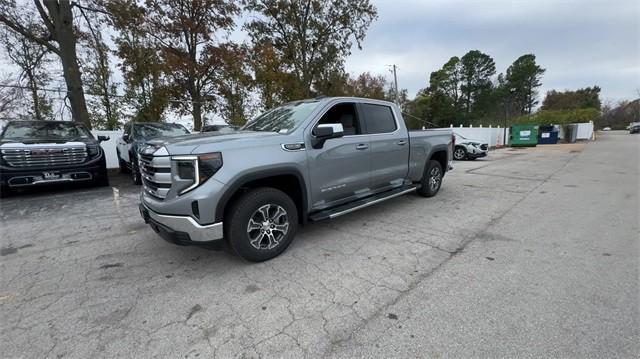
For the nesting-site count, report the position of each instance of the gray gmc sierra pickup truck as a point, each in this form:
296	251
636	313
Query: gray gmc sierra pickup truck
303	161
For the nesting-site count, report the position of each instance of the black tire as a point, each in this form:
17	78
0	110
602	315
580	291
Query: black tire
135	171
5	191
247	207
122	164
102	180
459	153
433	170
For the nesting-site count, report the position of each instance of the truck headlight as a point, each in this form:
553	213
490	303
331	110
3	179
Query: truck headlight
188	172
92	150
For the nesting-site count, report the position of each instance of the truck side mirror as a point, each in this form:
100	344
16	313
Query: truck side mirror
102	138
125	137
326	131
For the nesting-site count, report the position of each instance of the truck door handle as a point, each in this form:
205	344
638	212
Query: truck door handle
401	143
362	146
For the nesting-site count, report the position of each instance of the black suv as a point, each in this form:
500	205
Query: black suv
136	136
46	152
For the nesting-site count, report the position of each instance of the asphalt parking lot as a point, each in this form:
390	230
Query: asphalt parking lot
526	253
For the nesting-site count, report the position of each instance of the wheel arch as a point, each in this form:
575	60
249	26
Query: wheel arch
287	179
440	154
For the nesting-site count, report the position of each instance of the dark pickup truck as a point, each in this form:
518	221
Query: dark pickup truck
35	153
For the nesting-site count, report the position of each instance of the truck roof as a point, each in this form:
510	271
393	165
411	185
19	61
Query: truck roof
353	98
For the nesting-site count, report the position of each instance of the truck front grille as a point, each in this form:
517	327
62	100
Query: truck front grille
156	175
484	147
44	156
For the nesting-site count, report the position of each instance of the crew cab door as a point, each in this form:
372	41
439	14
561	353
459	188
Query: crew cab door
339	170
389	141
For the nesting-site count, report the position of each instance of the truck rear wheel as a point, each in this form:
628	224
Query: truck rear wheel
261	224
431	179
5	191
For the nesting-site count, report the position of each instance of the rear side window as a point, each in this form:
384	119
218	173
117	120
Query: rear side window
378	118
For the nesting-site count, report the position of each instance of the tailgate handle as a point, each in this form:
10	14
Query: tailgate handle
362	146
401	143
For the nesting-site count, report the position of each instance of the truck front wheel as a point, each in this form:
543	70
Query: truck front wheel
431	179
261	224
460	153
136	176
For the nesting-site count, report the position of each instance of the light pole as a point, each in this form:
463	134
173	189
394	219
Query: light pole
395	80
506	114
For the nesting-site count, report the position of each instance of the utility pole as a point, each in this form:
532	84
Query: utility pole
506	115
395	81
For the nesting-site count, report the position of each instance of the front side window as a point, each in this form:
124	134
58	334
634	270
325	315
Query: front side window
345	114
283	119
378	118
45	131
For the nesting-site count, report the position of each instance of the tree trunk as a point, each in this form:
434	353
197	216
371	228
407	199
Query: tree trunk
196	104
62	19
197	116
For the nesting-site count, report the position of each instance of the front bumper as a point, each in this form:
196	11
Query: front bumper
477	154
182	230
16	178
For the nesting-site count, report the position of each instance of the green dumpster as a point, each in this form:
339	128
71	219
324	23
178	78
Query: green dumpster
524	135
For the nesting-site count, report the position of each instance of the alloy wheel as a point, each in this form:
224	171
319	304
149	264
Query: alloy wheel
267	226
458	154
435	177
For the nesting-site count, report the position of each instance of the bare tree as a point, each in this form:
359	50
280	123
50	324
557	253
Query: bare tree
55	32
9	95
31	58
98	76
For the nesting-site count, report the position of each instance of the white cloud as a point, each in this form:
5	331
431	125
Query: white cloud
579	42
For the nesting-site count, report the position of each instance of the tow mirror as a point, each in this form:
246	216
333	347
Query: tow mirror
102	138
326	131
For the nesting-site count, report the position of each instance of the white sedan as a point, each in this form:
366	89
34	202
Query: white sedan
469	149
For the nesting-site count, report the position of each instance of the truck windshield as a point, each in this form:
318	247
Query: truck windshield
282	119
45	130
153	130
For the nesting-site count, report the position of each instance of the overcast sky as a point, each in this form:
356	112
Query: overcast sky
580	42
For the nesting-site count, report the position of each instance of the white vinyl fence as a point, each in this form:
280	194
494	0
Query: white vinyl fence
585	131
494	136
109	147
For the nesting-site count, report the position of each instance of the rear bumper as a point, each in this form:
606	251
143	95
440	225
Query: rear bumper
182	230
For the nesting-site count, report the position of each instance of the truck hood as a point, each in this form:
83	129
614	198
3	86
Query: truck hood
469	140
197	143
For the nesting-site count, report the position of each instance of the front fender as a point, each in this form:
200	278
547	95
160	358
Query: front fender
232	187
